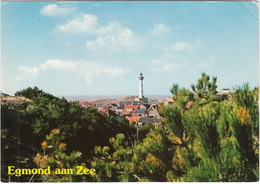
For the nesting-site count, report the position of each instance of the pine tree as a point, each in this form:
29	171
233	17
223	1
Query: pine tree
210	140
204	88
53	155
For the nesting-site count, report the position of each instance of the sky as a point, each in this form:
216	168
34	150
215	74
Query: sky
100	48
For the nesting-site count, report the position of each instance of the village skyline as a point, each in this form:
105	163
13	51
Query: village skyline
99	48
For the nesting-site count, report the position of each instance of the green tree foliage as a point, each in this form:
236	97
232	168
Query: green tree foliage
17	145
46	112
25	125
219	139
141	162
185	94
210	140
33	93
204	88
53	156
201	138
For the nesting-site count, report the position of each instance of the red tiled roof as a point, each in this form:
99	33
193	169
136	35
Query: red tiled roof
129	109
132	106
133	119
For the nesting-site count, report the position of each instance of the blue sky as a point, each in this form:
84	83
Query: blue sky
99	48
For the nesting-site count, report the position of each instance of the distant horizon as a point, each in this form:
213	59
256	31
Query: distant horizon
119	95
93	97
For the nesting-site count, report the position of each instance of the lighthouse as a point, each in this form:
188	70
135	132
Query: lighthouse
141	99
141	93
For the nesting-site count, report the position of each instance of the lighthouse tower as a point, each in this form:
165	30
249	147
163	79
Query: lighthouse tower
141	93
141	99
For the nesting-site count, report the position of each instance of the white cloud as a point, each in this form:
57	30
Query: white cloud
82	69
166	67
185	46
160	29
33	70
113	37
166	62
49	64
164	59
56	10
181	46
58	64
86	23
